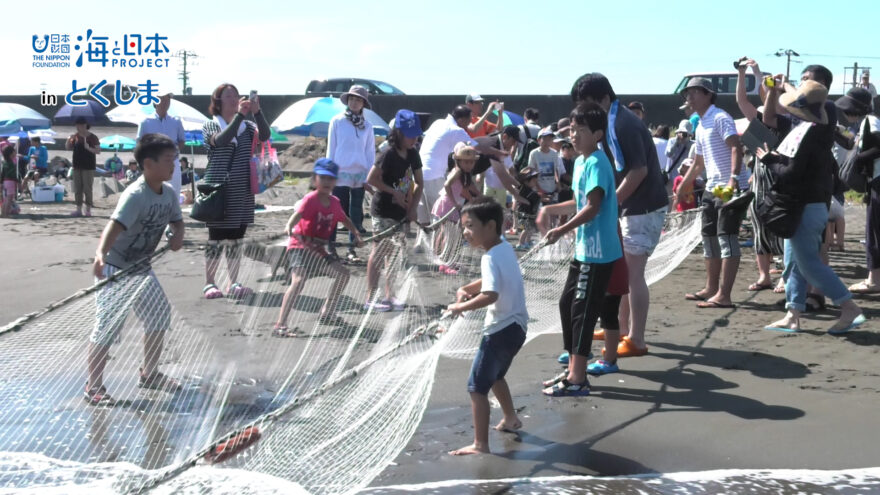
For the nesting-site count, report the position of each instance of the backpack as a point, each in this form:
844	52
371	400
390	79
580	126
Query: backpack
852	174
531	143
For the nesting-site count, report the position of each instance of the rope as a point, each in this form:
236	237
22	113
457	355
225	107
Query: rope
19	323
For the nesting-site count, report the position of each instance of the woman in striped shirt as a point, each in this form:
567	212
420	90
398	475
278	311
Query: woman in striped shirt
229	137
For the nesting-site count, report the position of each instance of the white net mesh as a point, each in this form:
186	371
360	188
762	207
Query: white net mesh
333	405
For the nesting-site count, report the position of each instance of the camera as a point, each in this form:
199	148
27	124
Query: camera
739	62
770	81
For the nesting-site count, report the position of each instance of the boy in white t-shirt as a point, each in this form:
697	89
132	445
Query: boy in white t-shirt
504	330
549	165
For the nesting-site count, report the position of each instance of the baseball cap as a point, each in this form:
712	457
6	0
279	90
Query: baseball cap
545	132
513	132
563	124
408	123
472	98
684	126
326	166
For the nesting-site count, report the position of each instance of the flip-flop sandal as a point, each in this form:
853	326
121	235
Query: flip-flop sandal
715	305
284	332
98	397
567	389
852	326
212	292
864	288
694	297
782	329
756	287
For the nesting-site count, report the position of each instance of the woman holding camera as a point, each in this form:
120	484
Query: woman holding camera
229	137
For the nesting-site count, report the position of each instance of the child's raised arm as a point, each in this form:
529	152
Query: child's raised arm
108	237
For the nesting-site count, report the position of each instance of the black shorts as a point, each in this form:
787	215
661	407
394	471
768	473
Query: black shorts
583	301
220	234
717	221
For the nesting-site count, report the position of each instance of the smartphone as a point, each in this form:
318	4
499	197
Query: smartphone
253	94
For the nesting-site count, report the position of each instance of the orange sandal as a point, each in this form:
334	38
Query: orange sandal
600	335
627	349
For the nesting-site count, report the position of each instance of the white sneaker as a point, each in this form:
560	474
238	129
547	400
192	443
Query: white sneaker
377	307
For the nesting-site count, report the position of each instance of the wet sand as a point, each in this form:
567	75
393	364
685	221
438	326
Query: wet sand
715	392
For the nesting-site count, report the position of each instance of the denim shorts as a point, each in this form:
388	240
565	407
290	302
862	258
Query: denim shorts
494	357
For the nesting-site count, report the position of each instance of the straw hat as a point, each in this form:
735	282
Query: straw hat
807	103
359	91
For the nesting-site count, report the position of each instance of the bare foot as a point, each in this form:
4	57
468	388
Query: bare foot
848	314
469	450
509	426
789	321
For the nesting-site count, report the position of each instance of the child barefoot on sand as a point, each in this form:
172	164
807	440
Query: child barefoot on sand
144	210
504	330
310	229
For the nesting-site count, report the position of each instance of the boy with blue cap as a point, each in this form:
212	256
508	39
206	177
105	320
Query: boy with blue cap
310	228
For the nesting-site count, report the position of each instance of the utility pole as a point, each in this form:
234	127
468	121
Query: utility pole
184	74
855	75
788	53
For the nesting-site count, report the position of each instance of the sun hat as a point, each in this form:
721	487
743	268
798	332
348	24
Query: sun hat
326	166
857	101
465	152
563	124
686	163
807	103
699	82
359	91
408	123
473	97
684	126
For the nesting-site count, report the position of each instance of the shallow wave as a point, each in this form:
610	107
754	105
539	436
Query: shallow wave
27	473
740	481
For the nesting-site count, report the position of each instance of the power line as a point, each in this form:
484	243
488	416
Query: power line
839	56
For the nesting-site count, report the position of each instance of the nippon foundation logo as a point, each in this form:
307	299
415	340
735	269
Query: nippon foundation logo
132	50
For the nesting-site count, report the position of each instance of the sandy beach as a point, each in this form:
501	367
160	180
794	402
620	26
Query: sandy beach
715	392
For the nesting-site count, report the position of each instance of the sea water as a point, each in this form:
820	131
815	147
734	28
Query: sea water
25	473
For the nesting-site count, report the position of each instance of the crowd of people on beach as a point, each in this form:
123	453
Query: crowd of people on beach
598	173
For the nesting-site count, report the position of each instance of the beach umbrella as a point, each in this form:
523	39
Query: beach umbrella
47	136
510	118
117	142
191	118
311	117
277	137
92	111
15	118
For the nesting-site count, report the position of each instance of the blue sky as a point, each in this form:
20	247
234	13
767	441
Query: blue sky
448	47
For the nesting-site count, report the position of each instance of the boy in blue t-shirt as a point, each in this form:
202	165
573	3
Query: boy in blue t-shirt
504	329
597	246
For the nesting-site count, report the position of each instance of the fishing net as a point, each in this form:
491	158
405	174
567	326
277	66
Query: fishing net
326	410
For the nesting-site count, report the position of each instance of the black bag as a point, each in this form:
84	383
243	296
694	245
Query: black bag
780	213
851	174
531	143
210	203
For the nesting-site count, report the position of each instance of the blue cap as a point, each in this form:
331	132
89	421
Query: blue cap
326	166
408	123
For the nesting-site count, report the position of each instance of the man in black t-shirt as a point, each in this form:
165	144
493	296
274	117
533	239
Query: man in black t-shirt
641	194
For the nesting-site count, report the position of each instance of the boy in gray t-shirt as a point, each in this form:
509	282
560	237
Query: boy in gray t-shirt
129	240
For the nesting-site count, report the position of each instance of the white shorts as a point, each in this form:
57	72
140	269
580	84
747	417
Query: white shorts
140	292
641	233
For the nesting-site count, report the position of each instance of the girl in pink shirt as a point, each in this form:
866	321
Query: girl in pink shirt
310	228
